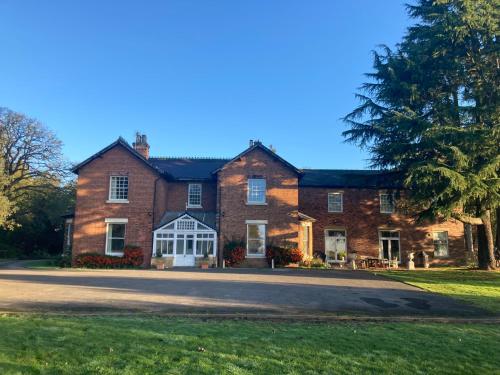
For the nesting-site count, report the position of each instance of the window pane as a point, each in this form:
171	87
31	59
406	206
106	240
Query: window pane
169	248
335	202
194	195
119	187
117	230
256	190
386	203
117	245
440	243
395	249
255	247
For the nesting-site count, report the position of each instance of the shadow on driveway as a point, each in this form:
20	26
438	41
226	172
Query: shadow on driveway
221	291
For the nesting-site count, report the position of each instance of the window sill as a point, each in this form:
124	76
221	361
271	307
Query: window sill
256	204
194	206
335	212
115	254
255	256
119	201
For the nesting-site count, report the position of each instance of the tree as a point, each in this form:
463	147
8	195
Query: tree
6	208
30	161
40	226
31	153
431	113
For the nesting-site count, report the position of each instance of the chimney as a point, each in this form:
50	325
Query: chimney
141	144
250	144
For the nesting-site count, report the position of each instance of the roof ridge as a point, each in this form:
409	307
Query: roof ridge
188	157
344	170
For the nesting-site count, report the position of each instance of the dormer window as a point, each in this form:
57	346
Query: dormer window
194	195
256	192
118	189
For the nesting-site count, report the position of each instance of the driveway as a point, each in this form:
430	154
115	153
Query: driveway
249	291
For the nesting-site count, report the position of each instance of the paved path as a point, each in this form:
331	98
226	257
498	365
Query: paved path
276	292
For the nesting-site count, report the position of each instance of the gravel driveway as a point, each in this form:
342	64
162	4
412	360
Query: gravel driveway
247	291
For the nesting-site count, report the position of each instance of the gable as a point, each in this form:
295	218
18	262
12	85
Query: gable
259	147
120	143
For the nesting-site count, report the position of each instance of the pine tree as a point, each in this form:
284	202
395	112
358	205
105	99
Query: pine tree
431	113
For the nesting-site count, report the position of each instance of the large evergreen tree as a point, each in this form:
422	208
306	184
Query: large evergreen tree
431	111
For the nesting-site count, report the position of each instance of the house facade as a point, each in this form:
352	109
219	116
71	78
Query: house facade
181	211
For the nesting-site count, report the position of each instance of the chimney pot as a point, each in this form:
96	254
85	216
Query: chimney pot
141	145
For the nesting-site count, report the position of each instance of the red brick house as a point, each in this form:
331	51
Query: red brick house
182	209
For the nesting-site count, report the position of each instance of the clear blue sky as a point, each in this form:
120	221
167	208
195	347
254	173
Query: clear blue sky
198	77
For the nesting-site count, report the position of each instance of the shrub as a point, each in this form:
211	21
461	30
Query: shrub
235	256
283	255
234	252
296	255
132	257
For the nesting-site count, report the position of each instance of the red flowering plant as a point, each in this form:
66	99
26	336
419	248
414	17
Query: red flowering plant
133	257
283	254
234	252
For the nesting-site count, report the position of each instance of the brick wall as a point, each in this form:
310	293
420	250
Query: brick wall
282	199
177	196
362	220
91	207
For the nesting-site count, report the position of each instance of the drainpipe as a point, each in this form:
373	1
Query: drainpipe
154	216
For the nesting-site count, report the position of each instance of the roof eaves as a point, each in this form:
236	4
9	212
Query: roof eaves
120	142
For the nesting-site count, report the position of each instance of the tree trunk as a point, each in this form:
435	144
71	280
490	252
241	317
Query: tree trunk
482	248
469	243
497	218
486	250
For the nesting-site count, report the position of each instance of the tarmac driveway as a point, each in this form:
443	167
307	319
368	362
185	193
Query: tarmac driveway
249	291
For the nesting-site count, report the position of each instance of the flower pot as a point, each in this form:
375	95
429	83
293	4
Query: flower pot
160	266
204	266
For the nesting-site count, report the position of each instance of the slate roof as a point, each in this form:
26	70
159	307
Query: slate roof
259	145
188	168
342	178
206	217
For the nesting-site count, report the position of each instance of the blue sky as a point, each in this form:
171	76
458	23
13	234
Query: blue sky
198	77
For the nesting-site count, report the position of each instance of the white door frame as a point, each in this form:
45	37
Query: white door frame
336	237
389	245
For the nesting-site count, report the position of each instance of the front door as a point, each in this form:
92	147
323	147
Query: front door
389	245
335	245
184	251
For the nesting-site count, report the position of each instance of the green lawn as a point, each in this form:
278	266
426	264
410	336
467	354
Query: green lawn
128	345
481	288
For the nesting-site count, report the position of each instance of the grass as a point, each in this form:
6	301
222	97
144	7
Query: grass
41	263
127	345
481	288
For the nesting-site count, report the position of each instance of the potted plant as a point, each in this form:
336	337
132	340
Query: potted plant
159	263
205	262
341	255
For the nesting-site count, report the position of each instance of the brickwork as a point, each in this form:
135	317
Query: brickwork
362	220
281	202
93	192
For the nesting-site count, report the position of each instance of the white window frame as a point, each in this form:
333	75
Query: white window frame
115	200
249	190
190	187
330	204
256	222
179	233
383	211
114	221
447	244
